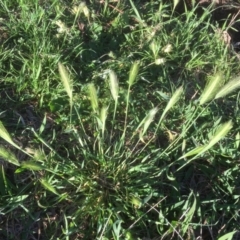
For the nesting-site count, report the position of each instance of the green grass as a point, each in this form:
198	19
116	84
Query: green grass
119	120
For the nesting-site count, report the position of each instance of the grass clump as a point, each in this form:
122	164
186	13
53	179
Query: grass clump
118	121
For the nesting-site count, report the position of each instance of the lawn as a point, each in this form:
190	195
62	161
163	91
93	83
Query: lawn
119	119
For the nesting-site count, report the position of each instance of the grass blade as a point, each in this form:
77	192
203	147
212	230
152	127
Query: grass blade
5	135
189	215
228	88
4	186
221	132
136	11
175	97
227	236
132	77
147	121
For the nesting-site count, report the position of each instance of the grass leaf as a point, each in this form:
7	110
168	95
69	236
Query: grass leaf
173	100
189	216
194	151
221	132
136	11
5	135
147	120
227	236
228	88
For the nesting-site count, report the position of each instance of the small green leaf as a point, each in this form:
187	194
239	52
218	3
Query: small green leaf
228	236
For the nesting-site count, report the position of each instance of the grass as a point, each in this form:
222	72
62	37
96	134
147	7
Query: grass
119	120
